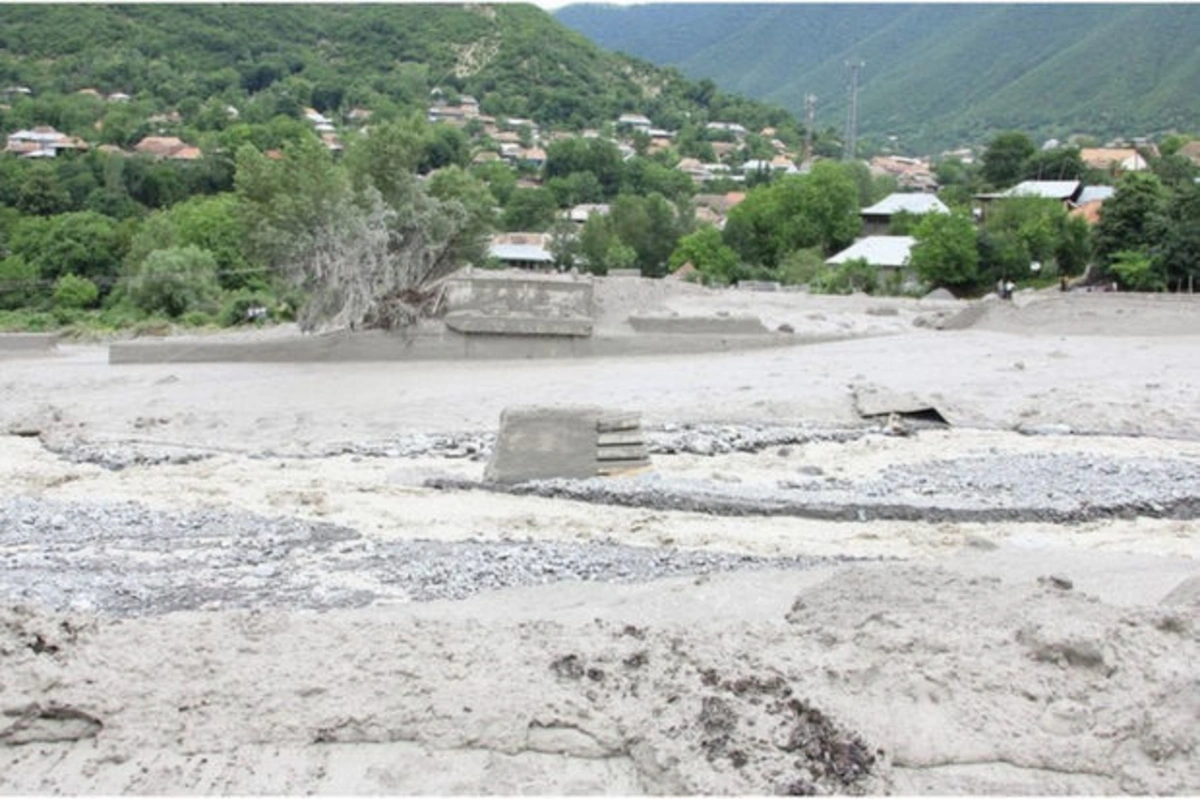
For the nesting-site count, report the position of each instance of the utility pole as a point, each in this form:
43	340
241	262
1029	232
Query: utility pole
810	121
851	139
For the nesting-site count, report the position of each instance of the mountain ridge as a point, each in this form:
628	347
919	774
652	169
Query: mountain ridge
935	75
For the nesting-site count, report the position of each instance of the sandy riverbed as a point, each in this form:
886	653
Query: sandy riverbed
961	656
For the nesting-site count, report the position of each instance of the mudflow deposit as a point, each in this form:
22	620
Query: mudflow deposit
917	547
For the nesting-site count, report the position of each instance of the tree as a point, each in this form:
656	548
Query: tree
215	224
20	284
1005	157
1061	163
945	253
855	275
84	244
72	291
41	194
444	146
564	244
1127	219
1178	238
174	281
577	154
707	251
650	226
576	188
454	184
645	177
819	209
364	258
1137	270
529	210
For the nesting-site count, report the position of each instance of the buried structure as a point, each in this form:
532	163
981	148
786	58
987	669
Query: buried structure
538	443
479	314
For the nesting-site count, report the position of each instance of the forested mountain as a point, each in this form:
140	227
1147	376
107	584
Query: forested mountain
935	74
269	59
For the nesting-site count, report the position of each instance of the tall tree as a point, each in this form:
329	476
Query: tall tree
1128	218
1004	160
945	253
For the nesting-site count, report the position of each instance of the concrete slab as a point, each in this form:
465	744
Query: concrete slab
542	443
20	345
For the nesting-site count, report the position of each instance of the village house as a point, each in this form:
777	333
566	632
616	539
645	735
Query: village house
1090	200
724	150
635	121
42	142
171	118
776	165
877	219
714	208
1191	151
889	255
580	214
522	250
1063	191
910	173
531	156
737	130
1113	159
170	147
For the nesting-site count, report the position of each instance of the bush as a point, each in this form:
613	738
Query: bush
802	267
847	278
1138	271
175	281
72	291
235	310
18	283
196	319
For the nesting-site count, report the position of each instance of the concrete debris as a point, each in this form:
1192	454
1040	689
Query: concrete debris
538	443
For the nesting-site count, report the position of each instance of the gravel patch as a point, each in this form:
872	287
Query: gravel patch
127	560
701	439
1032	487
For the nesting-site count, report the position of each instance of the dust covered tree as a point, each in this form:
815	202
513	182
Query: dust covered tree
363	239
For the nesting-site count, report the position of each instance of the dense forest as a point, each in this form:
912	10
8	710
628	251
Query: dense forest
266	60
935	75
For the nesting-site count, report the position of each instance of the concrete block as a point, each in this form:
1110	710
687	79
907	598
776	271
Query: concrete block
540	443
22	345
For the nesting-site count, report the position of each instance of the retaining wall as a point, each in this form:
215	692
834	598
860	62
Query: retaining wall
445	345
18	345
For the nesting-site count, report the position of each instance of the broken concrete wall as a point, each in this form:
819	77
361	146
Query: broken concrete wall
17	345
539	443
520	294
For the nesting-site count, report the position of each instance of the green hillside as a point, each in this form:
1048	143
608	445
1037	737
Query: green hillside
274	58
935	74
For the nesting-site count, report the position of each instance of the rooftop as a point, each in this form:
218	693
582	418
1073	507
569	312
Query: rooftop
888	251
908	202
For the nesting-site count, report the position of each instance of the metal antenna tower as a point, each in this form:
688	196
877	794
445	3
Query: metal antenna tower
810	121
851	142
